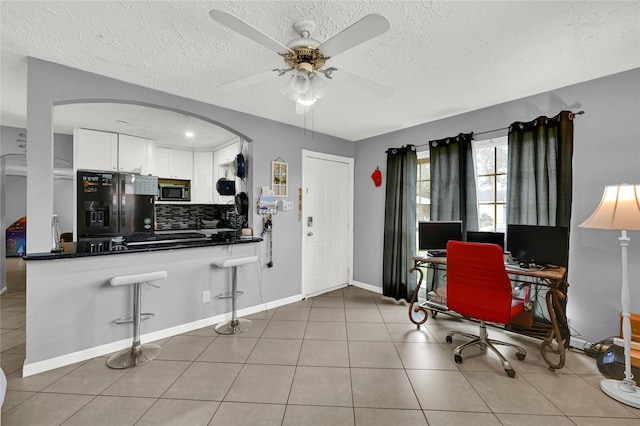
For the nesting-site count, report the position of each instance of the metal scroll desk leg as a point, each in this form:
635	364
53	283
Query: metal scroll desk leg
417	314
548	348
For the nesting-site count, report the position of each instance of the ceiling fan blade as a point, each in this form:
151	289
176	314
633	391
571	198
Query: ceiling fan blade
361	84
252	33
365	29
249	80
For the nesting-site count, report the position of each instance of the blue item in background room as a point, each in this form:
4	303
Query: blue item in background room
17	238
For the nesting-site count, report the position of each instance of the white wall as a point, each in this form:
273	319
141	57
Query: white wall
606	151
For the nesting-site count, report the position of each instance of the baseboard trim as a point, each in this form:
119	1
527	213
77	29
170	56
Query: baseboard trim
364	286
578	343
97	351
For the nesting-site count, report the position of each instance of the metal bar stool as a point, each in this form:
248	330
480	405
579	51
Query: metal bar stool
235	325
137	354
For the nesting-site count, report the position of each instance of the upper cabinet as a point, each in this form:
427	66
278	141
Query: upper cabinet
173	163
134	154
202	183
96	150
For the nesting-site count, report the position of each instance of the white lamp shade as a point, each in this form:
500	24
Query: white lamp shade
618	209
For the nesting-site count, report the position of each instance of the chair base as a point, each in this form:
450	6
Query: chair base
484	342
233	326
134	356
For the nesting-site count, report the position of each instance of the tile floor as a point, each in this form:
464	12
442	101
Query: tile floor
349	357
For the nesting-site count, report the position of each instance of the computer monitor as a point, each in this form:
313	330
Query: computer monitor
433	235
542	245
486	237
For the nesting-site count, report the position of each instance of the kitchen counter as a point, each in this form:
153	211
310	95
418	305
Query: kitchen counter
71	306
73	250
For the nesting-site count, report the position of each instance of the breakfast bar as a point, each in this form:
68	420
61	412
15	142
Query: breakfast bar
71	306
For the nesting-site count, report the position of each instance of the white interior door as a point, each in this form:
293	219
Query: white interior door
327	225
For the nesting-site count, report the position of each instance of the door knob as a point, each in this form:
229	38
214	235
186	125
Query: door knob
310	233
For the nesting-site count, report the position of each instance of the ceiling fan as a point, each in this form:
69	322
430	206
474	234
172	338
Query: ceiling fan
305	57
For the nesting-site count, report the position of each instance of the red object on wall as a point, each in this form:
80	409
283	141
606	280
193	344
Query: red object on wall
377	177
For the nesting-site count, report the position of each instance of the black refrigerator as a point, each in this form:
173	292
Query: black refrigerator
114	204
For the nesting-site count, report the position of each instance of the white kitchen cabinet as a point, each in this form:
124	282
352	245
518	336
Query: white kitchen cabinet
95	150
202	183
223	166
173	163
107	151
134	154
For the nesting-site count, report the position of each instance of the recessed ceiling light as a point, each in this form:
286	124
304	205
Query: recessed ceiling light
189	134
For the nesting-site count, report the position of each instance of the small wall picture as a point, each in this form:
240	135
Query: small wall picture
279	178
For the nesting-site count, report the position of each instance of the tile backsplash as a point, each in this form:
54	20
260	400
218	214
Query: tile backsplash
185	216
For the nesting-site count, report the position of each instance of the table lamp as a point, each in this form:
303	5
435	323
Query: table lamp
620	209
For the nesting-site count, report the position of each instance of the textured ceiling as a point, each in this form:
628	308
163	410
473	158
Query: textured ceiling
441	58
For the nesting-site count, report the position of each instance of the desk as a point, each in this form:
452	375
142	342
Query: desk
555	336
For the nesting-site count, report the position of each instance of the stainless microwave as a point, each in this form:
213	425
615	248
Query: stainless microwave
174	192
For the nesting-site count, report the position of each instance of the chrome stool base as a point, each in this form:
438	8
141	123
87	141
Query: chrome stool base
233	326
134	356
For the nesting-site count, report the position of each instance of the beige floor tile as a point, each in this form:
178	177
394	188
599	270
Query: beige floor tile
367	331
390	303
209	331
353	291
429	356
228	349
448	418
510	395
13	398
360	303
327	314
11	363
297	415
368	392
535	420
376	417
262	383
326	331
248	414
304	303
321	386
363	314
334	293
264	315
373	355
292	313
38	382
148	380
328	302
184	348
276	351
410	333
111	410
206	381
397	316
283	329
580	363
603	421
175	412
45	409
445	390
91	378
324	353
12	338
10	320
575	397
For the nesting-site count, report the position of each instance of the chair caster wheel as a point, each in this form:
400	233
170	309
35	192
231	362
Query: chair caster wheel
511	373
449	339
457	359
520	356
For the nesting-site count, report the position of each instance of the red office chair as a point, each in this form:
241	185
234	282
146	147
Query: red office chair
478	287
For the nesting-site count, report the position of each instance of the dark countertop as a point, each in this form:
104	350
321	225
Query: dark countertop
71	249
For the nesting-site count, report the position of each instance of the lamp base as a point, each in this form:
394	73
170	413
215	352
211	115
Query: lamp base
621	390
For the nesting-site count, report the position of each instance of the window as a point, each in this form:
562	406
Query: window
423	189
490	157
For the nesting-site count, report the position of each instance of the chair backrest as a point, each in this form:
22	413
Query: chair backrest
477	283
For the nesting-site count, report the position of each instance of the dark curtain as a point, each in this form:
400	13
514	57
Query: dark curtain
540	171
540	183
453	185
400	223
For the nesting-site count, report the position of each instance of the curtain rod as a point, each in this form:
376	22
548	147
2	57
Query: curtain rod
571	116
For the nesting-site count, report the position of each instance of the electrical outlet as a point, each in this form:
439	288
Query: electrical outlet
206	296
